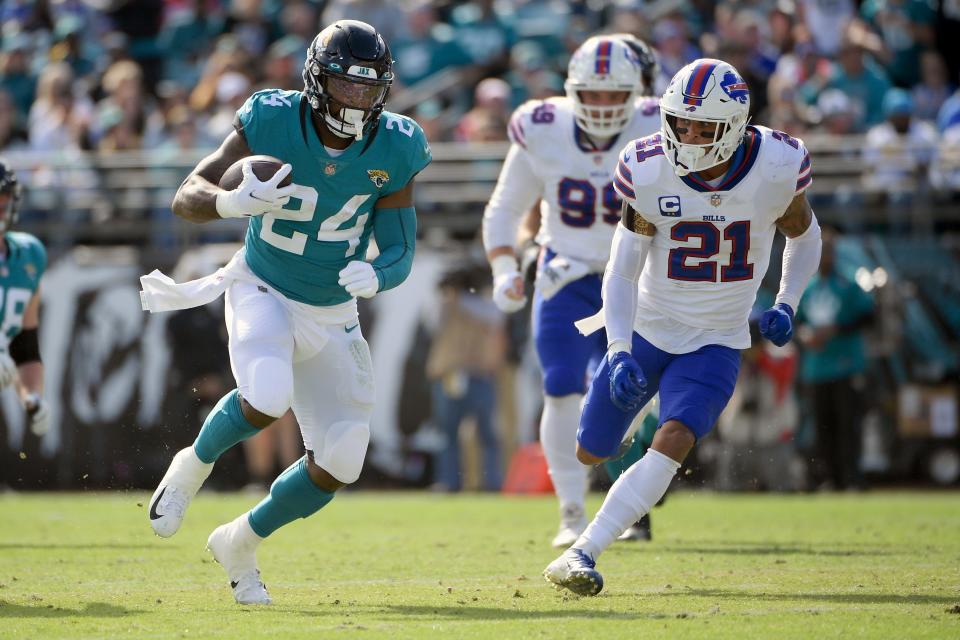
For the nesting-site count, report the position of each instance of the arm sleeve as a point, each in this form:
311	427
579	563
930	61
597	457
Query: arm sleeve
801	257
396	234
627	255
518	187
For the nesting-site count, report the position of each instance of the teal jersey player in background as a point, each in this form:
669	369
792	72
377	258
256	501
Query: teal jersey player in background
23	260
291	291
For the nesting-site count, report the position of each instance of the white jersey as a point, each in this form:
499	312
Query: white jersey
712	244
551	160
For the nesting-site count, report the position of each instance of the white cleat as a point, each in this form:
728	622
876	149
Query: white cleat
169	503
575	570
234	546
573	521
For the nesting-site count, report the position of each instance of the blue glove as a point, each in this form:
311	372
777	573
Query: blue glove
776	324
627	382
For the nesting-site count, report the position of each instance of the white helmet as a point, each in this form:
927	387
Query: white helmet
603	64
711	91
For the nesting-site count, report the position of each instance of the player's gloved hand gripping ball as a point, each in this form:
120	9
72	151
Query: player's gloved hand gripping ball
254	186
627	382
776	324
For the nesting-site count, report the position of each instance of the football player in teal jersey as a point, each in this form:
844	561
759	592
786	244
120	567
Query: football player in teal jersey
291	292
22	262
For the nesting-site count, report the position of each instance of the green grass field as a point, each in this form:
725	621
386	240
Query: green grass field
413	565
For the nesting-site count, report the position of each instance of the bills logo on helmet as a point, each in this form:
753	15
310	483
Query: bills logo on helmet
734	86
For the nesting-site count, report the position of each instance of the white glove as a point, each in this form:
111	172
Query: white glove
38	414
359	279
8	370
253	197
557	273
507	284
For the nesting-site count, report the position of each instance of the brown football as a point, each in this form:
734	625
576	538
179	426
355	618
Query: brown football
263	167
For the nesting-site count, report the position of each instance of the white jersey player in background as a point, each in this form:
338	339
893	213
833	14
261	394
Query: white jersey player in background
702	200
564	152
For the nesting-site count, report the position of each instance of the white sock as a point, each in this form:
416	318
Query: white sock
631	496
192	471
558	437
243	534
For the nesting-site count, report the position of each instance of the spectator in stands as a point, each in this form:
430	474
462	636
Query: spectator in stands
425	47
491	109
838	114
786	110
283	64
949	113
484	33
934	87
249	23
831	319
897	152
674	50
300	20
13	137
68	46
16	76
124	94
906	27
387	16
58	119
185	39
824	24
227	55
232	90
859	77
468	349
945	171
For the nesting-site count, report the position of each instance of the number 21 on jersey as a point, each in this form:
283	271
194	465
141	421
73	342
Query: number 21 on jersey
682	263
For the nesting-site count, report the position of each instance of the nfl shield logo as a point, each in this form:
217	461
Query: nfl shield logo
330	169
715	199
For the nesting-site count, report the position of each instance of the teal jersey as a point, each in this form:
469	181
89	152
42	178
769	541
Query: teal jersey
328	221
19	279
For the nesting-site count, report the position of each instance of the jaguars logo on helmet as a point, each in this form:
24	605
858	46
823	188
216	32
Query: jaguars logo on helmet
347	77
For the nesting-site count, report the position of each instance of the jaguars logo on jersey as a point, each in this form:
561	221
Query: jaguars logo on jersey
379	177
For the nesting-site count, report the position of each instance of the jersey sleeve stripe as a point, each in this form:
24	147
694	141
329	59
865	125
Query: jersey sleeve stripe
805	165
803	183
516	134
623	189
624	172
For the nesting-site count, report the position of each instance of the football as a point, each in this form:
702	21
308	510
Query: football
263	167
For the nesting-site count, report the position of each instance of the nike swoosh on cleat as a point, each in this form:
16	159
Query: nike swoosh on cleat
349	329
153	507
233	584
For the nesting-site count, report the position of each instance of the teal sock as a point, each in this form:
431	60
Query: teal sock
292	495
224	427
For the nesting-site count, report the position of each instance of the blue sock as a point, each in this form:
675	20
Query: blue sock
224	427
292	495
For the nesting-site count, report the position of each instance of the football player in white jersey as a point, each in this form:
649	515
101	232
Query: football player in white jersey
564	151
702	200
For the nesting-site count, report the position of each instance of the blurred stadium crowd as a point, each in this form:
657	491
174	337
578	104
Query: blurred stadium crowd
157	74
86	85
